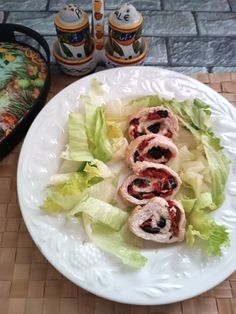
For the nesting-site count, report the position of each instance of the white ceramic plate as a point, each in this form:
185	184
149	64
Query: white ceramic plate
173	272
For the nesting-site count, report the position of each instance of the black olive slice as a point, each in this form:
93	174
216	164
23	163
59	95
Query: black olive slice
151	230
141	182
163	113
154	128
173	182
136	156
134	122
162	222
156	152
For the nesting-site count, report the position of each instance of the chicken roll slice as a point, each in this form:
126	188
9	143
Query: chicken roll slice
152	147
159	220
155	120
148	181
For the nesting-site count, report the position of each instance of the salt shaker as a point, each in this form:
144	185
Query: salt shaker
72	26
125	32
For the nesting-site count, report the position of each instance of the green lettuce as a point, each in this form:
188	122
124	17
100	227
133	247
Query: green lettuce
69	166
97	168
78	148
203	201
64	195
202	225
105	136
105	185
87	134
66	189
96	129
102	148
117	139
113	242
113	130
219	168
102	212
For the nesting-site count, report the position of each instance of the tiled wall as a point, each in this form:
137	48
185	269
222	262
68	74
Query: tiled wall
186	35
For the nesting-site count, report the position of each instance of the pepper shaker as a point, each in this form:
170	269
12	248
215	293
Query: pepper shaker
72	26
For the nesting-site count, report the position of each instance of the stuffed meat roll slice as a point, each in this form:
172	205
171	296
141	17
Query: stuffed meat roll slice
159	220
157	120
152	147
148	181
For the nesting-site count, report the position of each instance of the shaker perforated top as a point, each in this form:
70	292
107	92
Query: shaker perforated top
71	17
126	17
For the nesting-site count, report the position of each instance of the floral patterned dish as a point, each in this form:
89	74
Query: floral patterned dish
22	76
24	81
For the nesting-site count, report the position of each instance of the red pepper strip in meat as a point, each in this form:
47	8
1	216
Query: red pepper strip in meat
143	145
169	134
174	217
148	195
154	173
146	223
153	116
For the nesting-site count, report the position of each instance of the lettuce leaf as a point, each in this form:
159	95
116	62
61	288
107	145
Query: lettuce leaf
96	90
60	178
77	149
64	195
202	225
105	185
105	136
95	122
97	168
66	189
219	168
92	100
87	133
113	130
102	147
203	201
118	141
194	115
113	243
115	111
218	237
69	166
56	202
96	129
102	212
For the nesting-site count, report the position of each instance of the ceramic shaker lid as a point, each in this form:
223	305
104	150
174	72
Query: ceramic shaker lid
71	17
126	17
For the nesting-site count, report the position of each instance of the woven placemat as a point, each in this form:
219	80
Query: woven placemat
30	285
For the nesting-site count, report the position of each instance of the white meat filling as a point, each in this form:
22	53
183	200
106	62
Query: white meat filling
162	213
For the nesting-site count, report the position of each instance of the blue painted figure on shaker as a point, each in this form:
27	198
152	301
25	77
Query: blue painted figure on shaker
73	32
